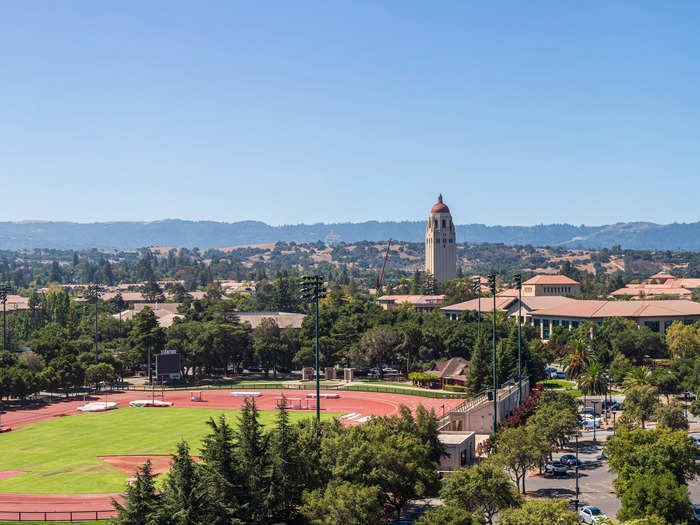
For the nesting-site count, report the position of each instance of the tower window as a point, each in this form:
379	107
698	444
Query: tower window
443	223
436	223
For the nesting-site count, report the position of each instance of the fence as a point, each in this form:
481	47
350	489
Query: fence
54	516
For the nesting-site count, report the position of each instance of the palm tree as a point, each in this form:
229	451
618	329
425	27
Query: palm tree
640	375
592	381
577	359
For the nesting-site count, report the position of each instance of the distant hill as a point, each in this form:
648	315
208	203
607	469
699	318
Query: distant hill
210	234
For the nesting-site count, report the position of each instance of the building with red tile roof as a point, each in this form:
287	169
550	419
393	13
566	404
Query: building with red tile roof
421	303
660	284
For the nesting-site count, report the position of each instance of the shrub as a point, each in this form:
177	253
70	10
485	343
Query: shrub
454	388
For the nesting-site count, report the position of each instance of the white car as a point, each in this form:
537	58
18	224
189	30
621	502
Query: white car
591	423
591	514
696	441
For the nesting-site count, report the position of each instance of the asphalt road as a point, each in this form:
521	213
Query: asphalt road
595	479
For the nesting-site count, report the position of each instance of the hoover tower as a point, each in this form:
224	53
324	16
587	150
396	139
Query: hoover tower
440	246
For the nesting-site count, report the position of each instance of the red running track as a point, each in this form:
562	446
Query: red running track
361	403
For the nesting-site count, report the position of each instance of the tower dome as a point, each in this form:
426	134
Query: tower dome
439	207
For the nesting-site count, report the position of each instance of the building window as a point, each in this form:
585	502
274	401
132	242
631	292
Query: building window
652	325
688	321
443	223
574	324
435	223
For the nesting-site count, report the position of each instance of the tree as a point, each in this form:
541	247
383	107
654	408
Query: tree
655	494
520	449
638	376
480	372
267	344
457	291
152	291
638	452
641	402
142	503
379	345
448	515
252	458
186	498
666	381
578	358
671	416
286	480
145	334
592	381
221	469
540	512
555	425
683	341
484	488
344	502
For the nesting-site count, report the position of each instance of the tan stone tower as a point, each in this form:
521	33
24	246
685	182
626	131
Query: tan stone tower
440	246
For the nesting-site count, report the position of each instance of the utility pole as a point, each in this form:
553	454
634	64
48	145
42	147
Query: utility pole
312	289
93	295
576	500
4	290
519	286
492	286
476	288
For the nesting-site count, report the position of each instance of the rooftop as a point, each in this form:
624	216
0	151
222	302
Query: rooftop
602	309
551	279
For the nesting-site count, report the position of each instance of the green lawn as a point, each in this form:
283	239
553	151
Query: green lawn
60	454
558	383
386	383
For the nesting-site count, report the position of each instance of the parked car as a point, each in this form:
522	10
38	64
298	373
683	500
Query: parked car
612	405
590	424
560	375
556	468
695	510
590	514
696	441
688	395
570	460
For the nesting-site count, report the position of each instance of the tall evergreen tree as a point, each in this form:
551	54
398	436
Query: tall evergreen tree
286	485
142	503
187	499
252	458
479	375
220	467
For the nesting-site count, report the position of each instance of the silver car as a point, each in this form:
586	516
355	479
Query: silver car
591	514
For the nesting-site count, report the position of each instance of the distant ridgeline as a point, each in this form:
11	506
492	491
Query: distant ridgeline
210	234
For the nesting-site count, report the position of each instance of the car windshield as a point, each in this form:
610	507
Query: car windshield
594	510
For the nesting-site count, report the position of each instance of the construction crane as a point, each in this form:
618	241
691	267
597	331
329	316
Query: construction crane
381	275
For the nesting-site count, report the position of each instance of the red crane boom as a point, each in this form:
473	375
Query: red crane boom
381	275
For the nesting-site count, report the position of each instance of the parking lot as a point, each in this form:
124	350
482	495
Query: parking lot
595	479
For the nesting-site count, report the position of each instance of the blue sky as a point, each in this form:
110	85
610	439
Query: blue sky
288	112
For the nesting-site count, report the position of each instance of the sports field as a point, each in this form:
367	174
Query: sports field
60	455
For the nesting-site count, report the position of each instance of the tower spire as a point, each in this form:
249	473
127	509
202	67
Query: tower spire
440	198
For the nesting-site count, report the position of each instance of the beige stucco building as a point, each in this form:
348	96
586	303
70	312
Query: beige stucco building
440	245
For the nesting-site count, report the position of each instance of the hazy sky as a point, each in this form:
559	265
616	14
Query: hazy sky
288	112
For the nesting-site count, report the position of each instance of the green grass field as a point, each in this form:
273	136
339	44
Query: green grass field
60	454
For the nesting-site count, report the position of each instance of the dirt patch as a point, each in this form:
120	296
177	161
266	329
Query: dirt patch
6	474
129	464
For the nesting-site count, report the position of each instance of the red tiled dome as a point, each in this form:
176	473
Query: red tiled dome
439	207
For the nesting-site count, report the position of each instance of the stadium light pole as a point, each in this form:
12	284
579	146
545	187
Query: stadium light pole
4	291
476	288
93	294
519	286
492	286
312	289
